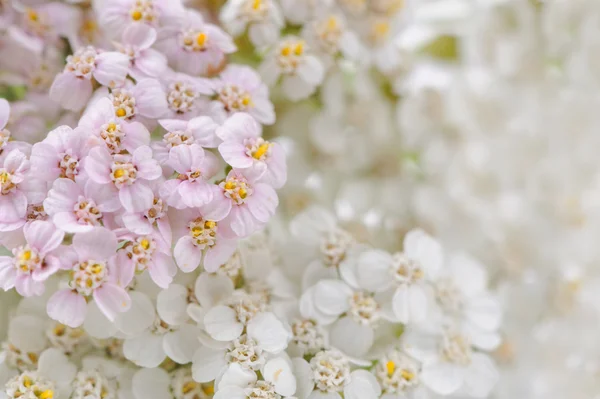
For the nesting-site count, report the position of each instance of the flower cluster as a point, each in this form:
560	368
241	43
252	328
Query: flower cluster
144	154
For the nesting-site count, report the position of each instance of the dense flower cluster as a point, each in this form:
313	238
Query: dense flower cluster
303	199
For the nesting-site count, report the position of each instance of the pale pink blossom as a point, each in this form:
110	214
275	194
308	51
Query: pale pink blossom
242	204
6	144
144	222
239	88
116	15
244	148
34	261
136	42
72	88
200	130
93	274
194	46
187	96
147	252
78	207
199	238
18	188
190	187
59	154
125	174
143	101
117	134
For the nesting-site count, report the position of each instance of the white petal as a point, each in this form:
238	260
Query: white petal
332	297
221	323
270	333
145	350
139	317
55	365
373	270
96	324
443	378
181	344
151	383
410	303
27	333
236	375
350	337
481	376
279	372
208	364
303	373
425	249
171	304
211	289
363	385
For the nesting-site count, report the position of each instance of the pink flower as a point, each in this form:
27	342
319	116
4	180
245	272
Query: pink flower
190	187
144	61
200	130
243	148
93	273
115	133
116	15
143	222
185	95
33	262
144	101
17	188
195	47
148	252
126	175
59	154
78	207
72	88
242	204
6	144
200	236
240	89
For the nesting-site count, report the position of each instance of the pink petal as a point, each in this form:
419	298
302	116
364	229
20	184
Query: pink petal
170	192
242	221
151	63
70	91
263	202
67	307
151	100
101	112
137	197
276	174
62	196
203	129
13	207
4	113
99	244
219	207
137	223
105	197
66	221
238	127
112	300
8	273
180	158
52	265
162	270
111	68
234	153
219	254
140	36
136	135
173	125
43	236
187	255
195	194
97	165
148	168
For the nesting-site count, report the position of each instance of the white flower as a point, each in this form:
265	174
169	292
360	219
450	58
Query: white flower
328	375
158	383
262	17
407	273
301	71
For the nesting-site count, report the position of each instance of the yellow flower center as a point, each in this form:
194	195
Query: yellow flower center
261	150
390	367
121	112
407	375
119	173
145	243
201	39
47	394
136	15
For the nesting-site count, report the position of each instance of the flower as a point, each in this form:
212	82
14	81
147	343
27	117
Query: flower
301	71
200	130
144	61
34	261
244	149
262	18
241	203
126	175
6	144
194	167
59	154
239	88
18	188
194	46
408	271
72	88
93	274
